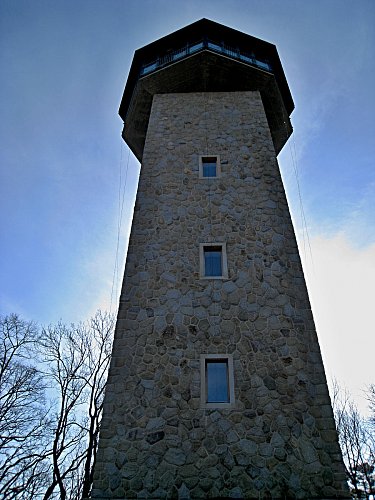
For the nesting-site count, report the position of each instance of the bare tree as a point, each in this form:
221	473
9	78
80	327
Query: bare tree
51	406
371	400
357	444
97	364
24	419
77	359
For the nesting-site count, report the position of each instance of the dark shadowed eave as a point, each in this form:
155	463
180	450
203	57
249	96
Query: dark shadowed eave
205	56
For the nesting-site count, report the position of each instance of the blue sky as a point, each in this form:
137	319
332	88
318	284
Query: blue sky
63	164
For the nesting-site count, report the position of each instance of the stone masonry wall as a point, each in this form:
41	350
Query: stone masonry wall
279	439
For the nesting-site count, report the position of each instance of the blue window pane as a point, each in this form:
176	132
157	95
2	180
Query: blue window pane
217	382
209	167
213	261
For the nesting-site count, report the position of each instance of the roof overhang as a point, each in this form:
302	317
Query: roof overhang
205	71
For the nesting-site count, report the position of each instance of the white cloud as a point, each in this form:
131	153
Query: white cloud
341	287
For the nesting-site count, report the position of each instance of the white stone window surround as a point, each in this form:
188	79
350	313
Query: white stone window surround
228	358
224	261
218	166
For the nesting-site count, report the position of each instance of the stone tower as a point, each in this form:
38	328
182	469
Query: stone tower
216	387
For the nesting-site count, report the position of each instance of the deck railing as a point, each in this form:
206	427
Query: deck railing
190	49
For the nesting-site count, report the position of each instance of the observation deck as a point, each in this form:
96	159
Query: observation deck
205	57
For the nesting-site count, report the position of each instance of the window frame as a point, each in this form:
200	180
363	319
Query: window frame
218	167
205	359
224	261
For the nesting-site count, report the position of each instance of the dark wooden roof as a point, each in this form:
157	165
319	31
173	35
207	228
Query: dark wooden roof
205	70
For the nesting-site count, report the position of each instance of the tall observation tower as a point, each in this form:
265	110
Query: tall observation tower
216	387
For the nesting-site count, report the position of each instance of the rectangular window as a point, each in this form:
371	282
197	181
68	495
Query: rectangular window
213	261
217	390
209	167
217	381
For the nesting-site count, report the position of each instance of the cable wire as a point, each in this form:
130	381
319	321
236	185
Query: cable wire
305	232
121	200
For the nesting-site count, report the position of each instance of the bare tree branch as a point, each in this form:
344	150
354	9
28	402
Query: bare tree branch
357	444
77	359
48	450
24	419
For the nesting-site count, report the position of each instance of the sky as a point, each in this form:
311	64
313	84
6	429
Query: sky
68	181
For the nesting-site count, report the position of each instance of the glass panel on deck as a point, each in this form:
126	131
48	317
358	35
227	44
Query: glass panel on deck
214	46
248	59
195	47
263	65
149	68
